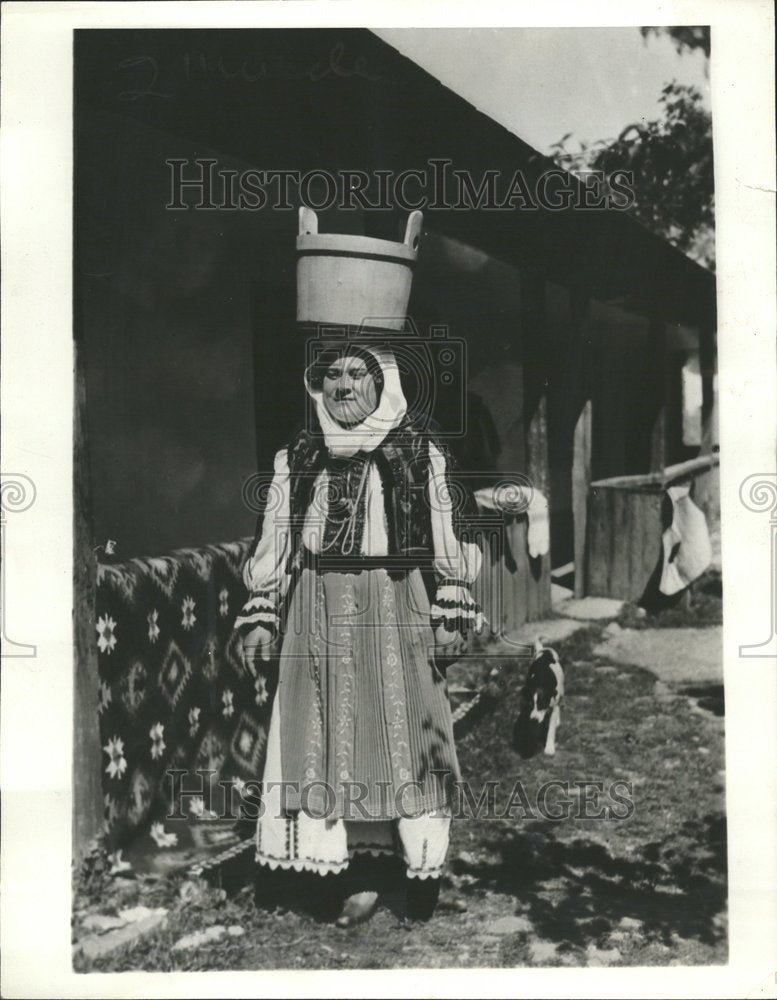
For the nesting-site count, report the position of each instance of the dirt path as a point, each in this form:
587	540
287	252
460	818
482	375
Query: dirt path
649	889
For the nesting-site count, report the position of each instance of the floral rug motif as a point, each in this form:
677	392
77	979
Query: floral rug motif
173	692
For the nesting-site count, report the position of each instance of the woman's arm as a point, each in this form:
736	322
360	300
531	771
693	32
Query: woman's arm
457	559
264	573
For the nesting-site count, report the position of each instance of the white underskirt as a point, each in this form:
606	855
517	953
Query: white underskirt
325	846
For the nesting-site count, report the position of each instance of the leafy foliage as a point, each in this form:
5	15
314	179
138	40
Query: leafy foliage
670	158
683	36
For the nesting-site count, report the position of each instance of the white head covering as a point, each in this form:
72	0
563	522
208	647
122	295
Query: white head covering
343	442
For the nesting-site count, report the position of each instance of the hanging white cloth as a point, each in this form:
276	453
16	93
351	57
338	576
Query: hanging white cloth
686	542
538	535
537	514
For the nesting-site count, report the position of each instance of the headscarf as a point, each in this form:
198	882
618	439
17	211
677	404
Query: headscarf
344	442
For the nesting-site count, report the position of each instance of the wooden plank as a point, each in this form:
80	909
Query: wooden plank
522	568
496	584
656	360
651	517
623	530
87	752
501	581
636	543
598	543
538	576
591	548
581	479
485	589
619	580
495	610
610	500
509	573
605	542
535	412
525	571
544	603
673	388
647	533
660	478
512	571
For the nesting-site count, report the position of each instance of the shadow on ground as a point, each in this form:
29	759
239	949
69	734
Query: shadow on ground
576	893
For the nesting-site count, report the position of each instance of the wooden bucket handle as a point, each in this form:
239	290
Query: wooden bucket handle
308	221
308	226
413	230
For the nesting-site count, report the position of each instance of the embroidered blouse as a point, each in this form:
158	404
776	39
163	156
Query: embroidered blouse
347	516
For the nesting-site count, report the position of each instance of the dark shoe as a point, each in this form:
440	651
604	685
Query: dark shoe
357	909
422	896
271	888
323	895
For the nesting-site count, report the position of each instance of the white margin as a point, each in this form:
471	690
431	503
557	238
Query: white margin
36	165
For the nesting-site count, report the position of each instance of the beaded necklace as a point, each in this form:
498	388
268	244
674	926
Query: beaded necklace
343	533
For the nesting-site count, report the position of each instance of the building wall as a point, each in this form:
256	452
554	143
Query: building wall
602	353
193	369
478	300
163	308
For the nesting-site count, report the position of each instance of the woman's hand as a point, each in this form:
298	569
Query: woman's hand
258	647
448	646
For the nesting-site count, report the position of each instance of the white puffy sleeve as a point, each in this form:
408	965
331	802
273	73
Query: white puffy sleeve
264	573
457	560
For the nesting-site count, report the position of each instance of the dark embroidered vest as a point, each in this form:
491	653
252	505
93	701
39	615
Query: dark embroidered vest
404	464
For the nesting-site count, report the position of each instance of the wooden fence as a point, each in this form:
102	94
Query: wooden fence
626	518
512	587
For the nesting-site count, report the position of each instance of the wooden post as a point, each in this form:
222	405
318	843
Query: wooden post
580	388
657	349
581	479
707	368
87	753
538	583
674	450
536	424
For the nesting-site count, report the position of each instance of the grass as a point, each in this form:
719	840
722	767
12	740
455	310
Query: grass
649	889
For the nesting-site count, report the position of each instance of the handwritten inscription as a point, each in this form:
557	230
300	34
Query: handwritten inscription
150	79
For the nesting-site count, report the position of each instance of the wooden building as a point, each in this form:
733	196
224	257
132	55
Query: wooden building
577	324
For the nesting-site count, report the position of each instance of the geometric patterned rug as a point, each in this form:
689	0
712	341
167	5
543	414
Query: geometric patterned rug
174	695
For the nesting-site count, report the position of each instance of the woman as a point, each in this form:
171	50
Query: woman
360	755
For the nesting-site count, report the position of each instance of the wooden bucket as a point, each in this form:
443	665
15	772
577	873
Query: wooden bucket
354	280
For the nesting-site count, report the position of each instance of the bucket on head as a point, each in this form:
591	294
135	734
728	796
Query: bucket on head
354	281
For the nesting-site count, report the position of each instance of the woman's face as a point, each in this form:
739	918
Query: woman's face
349	390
